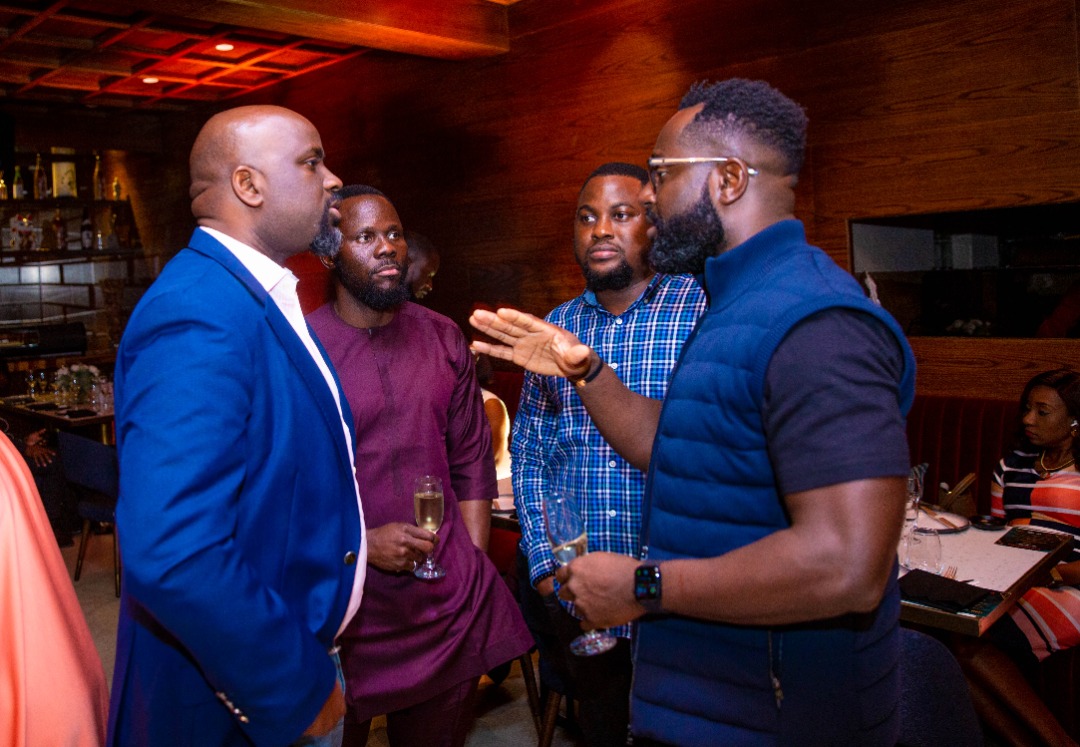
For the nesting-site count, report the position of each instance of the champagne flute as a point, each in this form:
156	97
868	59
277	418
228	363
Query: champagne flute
428	506
566	533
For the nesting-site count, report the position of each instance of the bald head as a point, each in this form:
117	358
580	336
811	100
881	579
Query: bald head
225	142
257	174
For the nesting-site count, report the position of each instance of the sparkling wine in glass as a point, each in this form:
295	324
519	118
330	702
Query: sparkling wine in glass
566	533
428	506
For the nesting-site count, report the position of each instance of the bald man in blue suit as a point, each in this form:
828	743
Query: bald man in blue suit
239	519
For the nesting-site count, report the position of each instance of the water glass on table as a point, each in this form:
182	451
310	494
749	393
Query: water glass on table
920	546
566	533
920	549
914	493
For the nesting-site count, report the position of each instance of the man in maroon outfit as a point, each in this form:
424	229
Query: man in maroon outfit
417	648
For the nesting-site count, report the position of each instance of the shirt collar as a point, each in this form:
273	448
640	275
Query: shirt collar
646	295
266	271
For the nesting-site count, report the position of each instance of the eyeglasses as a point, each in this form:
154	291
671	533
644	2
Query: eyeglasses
655	164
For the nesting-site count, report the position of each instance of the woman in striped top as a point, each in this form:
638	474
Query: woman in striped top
1038	484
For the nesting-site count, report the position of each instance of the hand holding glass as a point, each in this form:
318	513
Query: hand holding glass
566	533
428	505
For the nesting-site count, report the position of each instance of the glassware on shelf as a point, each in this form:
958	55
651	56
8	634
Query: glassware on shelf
99	178
41	180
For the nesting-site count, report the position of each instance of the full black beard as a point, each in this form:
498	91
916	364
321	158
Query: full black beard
683	242
618	278
327	241
371	295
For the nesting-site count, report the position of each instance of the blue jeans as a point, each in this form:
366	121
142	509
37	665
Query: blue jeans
334	738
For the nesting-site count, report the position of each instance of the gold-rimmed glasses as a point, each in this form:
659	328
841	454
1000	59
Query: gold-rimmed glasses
655	164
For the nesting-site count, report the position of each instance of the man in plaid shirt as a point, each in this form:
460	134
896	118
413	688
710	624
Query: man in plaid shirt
637	322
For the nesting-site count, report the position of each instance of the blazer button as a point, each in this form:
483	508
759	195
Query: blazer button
350	558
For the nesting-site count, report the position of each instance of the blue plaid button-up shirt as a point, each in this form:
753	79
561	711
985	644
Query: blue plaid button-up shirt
554	442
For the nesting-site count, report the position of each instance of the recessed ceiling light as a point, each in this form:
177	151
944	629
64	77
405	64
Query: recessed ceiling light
224	47
149	80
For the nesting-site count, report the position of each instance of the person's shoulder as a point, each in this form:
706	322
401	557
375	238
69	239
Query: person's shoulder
684	288
689	282
321	316
1019	459
413	313
192	284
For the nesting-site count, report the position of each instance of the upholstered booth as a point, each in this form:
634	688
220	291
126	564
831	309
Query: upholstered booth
959	435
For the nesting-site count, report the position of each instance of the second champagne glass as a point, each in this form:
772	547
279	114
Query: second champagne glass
566	533
428	506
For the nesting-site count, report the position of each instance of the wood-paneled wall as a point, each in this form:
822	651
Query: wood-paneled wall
920	106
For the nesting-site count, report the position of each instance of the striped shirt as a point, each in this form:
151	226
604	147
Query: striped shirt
1050	618
554	442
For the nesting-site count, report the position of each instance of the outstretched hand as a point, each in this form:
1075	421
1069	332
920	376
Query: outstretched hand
531	343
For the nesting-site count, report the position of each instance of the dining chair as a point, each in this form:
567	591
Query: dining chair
935	704
91	469
548	684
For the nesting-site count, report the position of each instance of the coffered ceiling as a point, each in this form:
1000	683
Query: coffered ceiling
174	54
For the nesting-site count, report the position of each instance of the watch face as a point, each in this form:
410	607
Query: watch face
647	583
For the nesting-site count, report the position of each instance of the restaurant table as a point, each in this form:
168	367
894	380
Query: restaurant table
1007	571
37	413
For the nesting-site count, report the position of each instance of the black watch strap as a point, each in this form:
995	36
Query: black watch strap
647	589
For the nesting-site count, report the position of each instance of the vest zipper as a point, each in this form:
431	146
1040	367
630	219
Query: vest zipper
774	667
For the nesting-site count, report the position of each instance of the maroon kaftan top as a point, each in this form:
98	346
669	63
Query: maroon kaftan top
417	410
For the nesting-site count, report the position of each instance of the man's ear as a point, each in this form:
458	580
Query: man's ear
327	262
727	182
246	184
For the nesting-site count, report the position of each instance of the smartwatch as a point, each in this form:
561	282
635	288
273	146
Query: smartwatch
647	587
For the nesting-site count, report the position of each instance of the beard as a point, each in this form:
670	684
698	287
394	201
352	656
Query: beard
617	278
683	242
367	292
327	241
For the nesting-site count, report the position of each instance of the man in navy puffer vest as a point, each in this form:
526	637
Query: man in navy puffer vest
767	591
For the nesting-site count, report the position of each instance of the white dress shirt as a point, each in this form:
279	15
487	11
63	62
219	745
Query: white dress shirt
280	283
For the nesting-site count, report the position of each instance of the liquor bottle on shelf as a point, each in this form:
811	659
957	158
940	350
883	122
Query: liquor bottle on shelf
41	181
86	230
59	231
18	191
3	187
116	189
99	178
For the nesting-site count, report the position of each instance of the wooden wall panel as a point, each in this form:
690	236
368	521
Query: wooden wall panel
919	106
987	367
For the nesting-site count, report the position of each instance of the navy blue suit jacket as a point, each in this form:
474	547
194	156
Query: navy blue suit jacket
237	518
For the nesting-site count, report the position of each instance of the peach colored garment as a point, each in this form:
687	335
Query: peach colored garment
52	685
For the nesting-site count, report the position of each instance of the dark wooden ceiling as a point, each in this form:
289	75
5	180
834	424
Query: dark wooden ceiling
174	54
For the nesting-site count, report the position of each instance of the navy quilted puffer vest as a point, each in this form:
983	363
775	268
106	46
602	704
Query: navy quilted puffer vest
712	490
